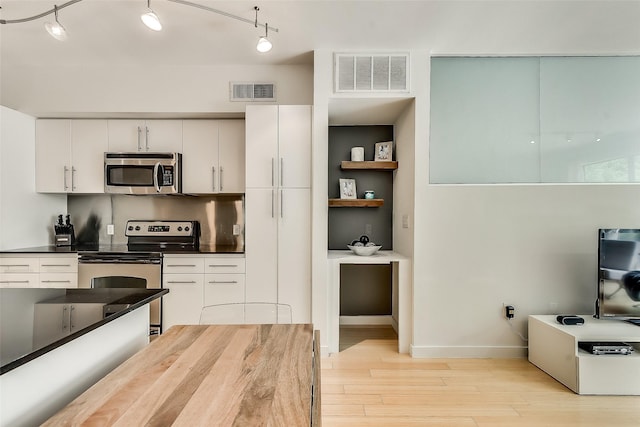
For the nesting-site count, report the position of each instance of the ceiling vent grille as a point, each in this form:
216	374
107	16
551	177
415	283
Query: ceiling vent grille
371	72
252	91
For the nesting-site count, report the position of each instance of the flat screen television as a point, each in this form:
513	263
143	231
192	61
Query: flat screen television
618	274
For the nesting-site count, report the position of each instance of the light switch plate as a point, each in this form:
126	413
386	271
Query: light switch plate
110	230
405	221
236	229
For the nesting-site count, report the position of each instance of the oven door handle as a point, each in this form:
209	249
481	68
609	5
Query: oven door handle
157	169
119	261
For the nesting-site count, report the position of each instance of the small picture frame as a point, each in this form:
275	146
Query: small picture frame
384	151
348	189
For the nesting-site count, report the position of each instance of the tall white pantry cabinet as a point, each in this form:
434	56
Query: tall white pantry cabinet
278	207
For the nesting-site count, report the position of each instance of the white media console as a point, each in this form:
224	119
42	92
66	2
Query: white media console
554	349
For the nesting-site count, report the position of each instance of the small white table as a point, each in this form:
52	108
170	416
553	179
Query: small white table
554	349
401	266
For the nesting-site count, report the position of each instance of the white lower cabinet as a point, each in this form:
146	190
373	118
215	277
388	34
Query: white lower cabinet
55	320
196	281
37	271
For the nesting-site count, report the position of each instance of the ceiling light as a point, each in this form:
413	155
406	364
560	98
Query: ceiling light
150	19
264	45
56	29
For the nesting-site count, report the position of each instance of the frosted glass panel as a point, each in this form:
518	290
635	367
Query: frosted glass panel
590	119
484	115
550	119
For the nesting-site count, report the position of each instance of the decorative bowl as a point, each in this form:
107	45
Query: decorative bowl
364	250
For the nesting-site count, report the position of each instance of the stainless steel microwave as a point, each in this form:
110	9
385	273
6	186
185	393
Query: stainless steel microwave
143	173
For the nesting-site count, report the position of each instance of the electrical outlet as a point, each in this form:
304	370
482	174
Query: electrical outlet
236	229
509	311
405	221
110	230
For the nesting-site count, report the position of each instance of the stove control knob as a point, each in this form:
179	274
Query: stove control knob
137	228
130	228
186	228
179	228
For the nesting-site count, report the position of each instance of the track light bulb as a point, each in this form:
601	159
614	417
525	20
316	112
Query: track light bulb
264	45
150	19
55	28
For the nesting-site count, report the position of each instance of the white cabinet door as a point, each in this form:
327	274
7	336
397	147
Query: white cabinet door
183	304
53	156
294	253
163	136
223	289
126	135
89	141
261	125
231	153
294	146
261	245
200	172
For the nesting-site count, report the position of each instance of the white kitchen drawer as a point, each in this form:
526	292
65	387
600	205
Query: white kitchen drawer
191	265
183	304
223	288
58	280
19	265
19	280
59	265
215	265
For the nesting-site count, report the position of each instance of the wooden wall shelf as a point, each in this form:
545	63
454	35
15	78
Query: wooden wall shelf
369	165
355	203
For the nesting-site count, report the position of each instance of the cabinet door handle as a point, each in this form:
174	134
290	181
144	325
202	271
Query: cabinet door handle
56	265
281	172
222	281
56	281
273	171
73	178
213	178
223	265
146	137
14	281
16	265
221	173
182	281
181	265
281	204
64	315
64	177
273	196
139	135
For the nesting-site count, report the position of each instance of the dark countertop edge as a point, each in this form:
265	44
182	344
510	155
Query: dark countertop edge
52	249
37	353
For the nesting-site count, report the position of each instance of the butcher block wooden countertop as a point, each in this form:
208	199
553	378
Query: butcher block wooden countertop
222	375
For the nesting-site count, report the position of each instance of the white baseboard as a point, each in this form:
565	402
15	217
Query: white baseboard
433	352
367	320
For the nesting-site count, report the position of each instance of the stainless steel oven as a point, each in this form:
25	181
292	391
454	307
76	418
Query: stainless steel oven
124	270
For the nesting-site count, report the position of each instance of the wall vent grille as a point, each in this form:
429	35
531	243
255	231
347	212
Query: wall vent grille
252	91
356	72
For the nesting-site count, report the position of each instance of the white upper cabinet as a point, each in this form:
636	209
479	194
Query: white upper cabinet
213	156
70	155
231	152
279	143
127	135
294	146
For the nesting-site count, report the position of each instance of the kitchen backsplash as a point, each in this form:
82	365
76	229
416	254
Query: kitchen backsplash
217	215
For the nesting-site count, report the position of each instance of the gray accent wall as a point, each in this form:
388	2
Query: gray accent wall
347	224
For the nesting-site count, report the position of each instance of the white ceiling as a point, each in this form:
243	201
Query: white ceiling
110	31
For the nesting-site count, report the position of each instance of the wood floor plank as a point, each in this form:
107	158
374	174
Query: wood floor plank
396	390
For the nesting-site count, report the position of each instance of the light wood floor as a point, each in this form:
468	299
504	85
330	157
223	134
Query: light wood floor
370	384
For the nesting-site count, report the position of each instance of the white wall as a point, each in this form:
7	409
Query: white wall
26	218
477	247
128	90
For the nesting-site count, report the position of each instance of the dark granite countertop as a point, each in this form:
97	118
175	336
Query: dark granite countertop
122	248
18	307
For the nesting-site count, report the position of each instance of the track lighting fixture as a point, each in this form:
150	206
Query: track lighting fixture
150	19
264	45
55	28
